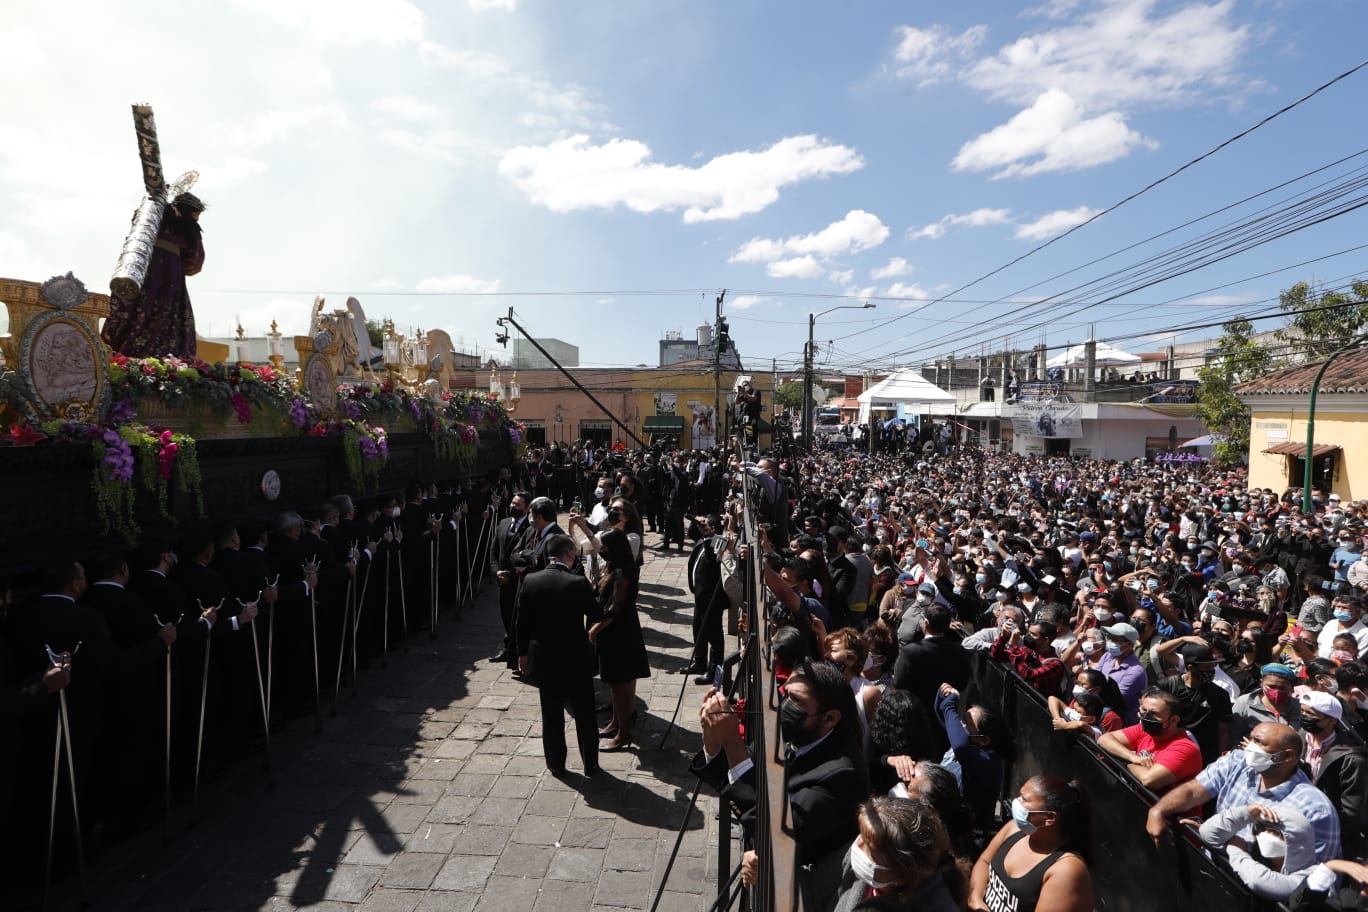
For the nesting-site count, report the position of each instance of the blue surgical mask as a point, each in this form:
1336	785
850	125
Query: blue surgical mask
1022	815
1344	617
980	578
1114	649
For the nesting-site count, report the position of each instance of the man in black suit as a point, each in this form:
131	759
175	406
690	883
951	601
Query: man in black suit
827	776
533	554
934	657
710	602
509	536
553	646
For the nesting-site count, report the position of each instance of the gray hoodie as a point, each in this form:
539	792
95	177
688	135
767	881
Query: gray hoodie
1262	880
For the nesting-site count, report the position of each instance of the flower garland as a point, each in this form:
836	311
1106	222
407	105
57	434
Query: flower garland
365	448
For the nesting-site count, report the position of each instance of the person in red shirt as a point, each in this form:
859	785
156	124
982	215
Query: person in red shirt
1158	751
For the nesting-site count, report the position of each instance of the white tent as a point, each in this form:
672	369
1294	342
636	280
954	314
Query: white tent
1106	356
908	393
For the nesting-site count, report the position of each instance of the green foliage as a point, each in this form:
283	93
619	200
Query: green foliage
790	395
1238	358
1322	322
376	330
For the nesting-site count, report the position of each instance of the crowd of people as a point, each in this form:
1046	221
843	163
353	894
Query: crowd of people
1207	637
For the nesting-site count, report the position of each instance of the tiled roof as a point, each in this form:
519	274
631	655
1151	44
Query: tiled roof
1347	374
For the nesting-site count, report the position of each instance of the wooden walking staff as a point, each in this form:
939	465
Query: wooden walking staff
356	616
166	772
136	256
310	568
63	739
204	694
434	565
261	691
352	559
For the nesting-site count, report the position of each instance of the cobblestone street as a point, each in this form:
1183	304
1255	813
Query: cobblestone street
428	791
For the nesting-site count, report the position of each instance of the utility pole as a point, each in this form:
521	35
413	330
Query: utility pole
720	337
807	384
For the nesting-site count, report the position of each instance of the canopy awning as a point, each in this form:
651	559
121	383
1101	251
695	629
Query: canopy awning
1299	449
1104	355
663	423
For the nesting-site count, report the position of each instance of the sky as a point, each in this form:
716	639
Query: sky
606	167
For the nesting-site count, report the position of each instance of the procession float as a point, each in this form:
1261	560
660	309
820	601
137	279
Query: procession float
117	423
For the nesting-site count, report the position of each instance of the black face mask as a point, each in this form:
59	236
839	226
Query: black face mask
1244	647
1152	727
614	517
516	513
1029	642
1317	727
792	725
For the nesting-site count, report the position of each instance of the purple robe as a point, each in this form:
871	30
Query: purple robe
160	321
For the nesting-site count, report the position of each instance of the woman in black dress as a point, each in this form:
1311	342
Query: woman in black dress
621	648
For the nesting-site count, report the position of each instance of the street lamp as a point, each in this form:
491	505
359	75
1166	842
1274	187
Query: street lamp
807	366
1311	422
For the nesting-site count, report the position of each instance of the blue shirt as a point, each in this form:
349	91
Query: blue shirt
1234	784
1344	557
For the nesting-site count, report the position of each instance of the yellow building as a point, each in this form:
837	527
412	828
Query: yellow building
1279	403
681	400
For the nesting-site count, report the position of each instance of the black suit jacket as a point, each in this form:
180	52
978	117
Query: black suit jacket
926	663
553	605
532	554
507	542
825	788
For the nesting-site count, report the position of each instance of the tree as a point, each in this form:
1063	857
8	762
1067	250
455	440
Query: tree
1238	358
790	395
376	330
1322	322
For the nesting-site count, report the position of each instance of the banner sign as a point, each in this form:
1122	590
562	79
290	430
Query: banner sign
1047	418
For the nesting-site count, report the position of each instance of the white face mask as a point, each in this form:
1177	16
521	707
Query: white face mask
1103	615
863	867
1072	714
1271	845
1089	647
1258	760
1079	690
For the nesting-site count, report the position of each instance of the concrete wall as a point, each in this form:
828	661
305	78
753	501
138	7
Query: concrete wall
1340	420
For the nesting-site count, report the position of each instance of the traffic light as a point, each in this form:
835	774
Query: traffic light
722	340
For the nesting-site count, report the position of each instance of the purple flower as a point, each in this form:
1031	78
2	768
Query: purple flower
121	411
515	435
118	457
299	413
367	447
383	446
475	413
415	410
351	410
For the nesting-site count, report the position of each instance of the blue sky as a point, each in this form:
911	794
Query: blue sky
605	167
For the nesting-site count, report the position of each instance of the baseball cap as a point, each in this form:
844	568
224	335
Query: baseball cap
1322	703
1122	630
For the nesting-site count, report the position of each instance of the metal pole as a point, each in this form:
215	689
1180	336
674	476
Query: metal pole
313	634
261	691
807	384
204	694
384	641
1307	505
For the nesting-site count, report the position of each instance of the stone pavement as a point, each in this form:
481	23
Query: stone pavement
428	792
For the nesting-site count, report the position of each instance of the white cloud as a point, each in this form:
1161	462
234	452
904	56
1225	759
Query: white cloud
1120	53
572	174
481	6
276	126
1047	226
1051	135
803	267
458	284
895	267
743	302
929	55
976	219
903	290
346	22
408	108
842	276
856	232
386	283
